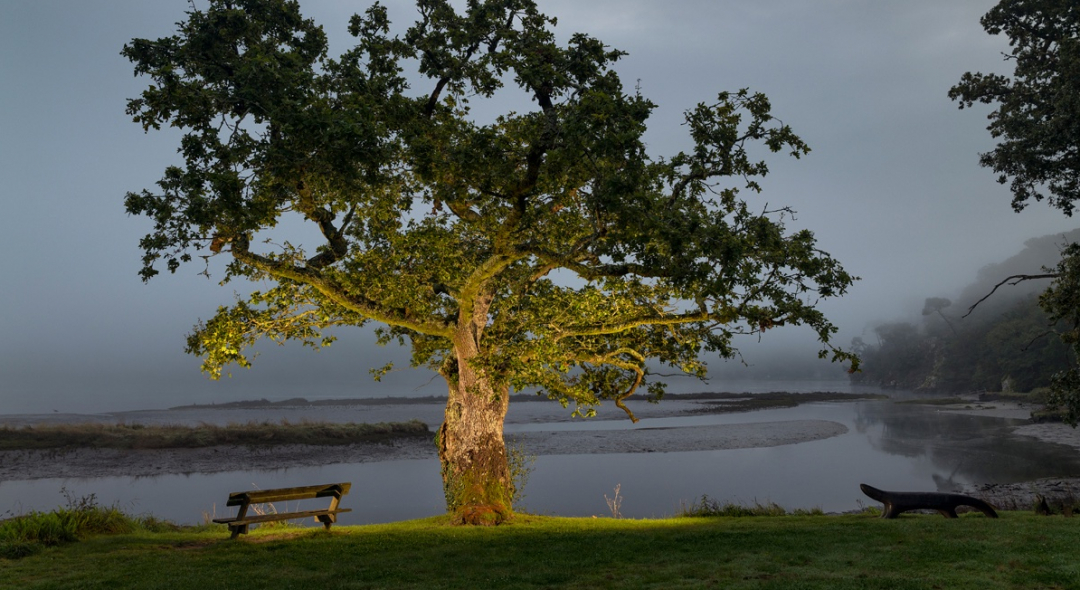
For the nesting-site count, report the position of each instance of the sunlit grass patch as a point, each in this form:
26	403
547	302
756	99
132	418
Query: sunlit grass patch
1019	550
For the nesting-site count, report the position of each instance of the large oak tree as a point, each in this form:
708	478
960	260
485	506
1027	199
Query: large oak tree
541	249
1037	124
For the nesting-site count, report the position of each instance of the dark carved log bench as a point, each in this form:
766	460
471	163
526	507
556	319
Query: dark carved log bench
239	524
897	502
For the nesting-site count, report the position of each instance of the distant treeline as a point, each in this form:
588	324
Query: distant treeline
1006	343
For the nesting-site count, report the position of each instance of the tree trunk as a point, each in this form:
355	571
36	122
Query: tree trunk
475	470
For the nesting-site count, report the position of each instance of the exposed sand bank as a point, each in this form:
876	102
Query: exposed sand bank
992	409
25	465
674	440
1050	432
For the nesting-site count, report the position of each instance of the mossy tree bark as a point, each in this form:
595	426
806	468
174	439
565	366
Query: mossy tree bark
475	470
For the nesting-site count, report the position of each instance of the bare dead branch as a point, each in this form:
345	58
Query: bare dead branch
1016	280
1036	339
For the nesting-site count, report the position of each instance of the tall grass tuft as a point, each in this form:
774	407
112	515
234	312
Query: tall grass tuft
706	507
82	517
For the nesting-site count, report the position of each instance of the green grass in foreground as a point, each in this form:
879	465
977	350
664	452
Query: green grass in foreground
138	436
1019	550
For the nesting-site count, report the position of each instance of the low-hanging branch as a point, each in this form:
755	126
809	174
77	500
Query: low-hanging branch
367	308
1012	281
625	325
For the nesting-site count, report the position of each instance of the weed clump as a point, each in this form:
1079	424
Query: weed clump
708	507
81	517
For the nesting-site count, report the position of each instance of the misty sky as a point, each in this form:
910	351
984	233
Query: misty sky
892	188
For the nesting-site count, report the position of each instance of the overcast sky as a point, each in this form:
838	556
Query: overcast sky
892	188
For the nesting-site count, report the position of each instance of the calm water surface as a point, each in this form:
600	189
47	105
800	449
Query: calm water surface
887	445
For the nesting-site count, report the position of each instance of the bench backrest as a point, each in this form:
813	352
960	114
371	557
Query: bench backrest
336	490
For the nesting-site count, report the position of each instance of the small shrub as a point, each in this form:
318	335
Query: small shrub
521	467
614	504
707	507
81	517
154	524
1039	395
43	528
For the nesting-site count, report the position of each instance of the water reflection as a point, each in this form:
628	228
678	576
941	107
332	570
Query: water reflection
891	446
962	448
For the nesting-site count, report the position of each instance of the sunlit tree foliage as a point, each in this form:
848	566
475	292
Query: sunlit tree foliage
542	248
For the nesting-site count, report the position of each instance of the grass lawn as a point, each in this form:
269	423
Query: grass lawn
1019	550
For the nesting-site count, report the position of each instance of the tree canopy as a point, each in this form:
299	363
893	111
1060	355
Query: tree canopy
1037	125
537	249
1036	120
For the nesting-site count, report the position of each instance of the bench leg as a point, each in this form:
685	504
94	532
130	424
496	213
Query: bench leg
331	518
891	510
243	528
327	520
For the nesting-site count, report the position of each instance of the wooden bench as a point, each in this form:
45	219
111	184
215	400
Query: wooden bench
945	504
239	524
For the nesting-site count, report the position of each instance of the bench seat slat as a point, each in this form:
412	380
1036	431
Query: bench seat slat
257	518
288	494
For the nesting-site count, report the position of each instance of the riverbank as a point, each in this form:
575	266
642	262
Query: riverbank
1049	432
81	461
1058	492
887	445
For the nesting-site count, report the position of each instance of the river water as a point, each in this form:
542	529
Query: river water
888	445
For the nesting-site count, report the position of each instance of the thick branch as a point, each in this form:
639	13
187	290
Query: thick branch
463	211
479	278
429	108
311	276
662	320
573	262
492	47
610	359
699	175
337	245
535	158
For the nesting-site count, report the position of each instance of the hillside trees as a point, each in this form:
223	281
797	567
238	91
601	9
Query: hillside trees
1037	124
1010	344
539	249
1007	338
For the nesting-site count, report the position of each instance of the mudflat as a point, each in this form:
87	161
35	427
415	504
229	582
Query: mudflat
104	462
522	423
26	465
